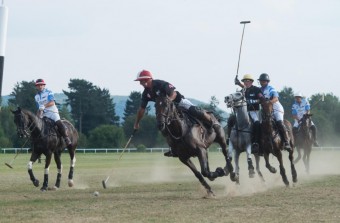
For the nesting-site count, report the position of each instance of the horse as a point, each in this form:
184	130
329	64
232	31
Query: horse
304	140
190	138
241	135
45	139
271	141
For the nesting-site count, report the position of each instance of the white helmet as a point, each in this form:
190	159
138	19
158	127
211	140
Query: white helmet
298	94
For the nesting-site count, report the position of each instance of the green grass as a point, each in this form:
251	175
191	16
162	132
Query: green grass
148	187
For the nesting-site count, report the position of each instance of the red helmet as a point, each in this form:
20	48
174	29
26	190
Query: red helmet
144	75
40	82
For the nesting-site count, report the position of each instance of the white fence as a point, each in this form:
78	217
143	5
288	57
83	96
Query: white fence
117	150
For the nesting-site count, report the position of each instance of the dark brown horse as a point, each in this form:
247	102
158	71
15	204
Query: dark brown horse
45	139
188	139
271	141
304	140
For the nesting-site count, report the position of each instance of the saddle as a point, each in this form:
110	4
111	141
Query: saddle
52	128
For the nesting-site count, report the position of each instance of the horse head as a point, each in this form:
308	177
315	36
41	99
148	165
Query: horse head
165	110
236	99
267	110
305	124
22	123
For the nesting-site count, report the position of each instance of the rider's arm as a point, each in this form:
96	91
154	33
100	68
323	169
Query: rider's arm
49	104
140	115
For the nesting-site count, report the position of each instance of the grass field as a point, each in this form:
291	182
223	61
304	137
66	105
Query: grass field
148	187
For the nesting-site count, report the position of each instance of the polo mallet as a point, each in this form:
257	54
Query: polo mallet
239	55
121	154
18	152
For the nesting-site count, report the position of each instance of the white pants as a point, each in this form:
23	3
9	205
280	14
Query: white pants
278	111
185	103
52	115
254	115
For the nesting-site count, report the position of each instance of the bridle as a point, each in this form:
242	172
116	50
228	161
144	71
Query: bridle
22	129
166	113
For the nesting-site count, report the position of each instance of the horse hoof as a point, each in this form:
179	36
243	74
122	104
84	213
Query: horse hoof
36	183
233	177
43	189
210	194
54	188
220	172
70	183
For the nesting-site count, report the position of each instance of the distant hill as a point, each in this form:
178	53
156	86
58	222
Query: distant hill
119	101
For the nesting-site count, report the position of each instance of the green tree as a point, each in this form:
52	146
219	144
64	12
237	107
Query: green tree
286	98
106	136
23	96
132	104
8	128
91	106
147	134
212	107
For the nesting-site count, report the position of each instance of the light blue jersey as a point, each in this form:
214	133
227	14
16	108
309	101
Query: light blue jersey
269	92
299	109
42	98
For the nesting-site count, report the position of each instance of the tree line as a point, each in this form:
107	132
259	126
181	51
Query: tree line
92	111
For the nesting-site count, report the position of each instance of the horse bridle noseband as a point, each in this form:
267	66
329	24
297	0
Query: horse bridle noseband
167	120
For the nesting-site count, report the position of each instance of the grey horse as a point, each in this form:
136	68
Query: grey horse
241	135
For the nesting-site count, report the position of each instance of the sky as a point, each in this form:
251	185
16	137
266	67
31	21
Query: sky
193	44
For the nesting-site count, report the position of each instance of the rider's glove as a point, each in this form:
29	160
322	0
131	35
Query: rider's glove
236	81
41	107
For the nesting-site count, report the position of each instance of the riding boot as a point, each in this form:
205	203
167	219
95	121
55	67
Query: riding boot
313	128
201	115
63	131
255	148
284	135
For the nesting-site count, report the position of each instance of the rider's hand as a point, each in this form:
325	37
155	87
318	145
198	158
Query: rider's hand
237	81
41	107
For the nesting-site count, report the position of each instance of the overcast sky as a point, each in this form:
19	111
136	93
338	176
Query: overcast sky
193	44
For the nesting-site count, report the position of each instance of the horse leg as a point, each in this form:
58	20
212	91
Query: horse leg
205	170
282	169
257	161
199	176
269	167
250	162
309	150
57	160
72	165
237	167
33	158
46	171
299	155
292	167
229	167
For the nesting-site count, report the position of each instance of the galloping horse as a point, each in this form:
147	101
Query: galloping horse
304	140
272	142
45	140
241	135
189	139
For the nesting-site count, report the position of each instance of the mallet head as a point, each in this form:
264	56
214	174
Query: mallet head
9	165
244	22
